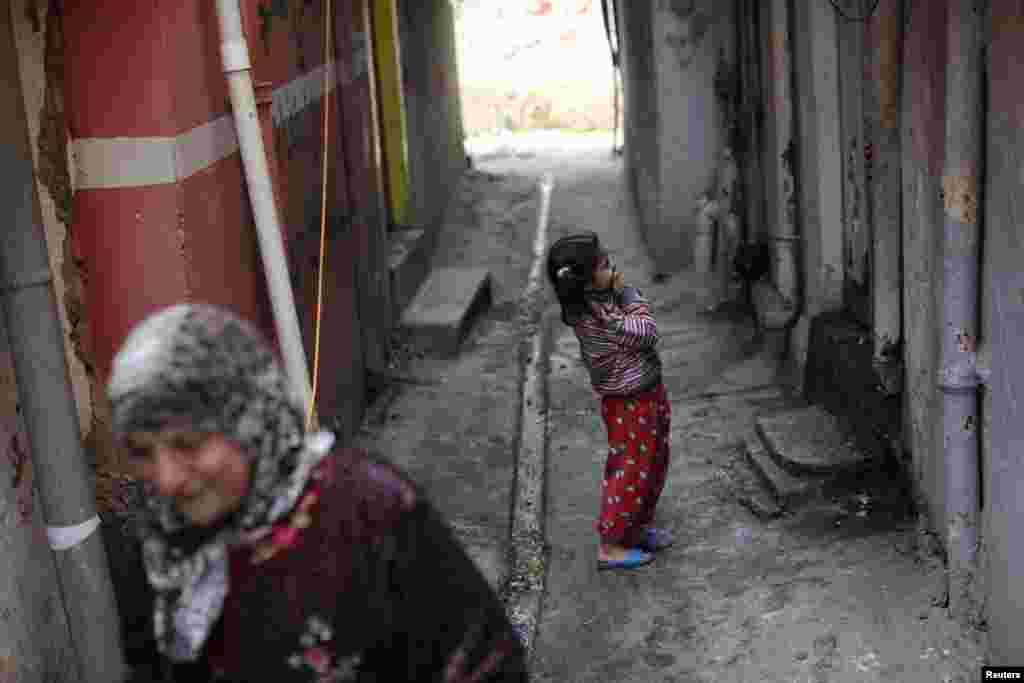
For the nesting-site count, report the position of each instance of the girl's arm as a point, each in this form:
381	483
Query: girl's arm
633	327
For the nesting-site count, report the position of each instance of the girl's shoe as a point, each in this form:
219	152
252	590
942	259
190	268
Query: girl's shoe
634	558
655	540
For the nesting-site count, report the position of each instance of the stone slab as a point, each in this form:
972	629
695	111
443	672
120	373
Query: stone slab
788	490
809	440
441	313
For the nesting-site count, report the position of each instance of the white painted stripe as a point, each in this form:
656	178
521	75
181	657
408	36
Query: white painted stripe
139	162
123	162
203	146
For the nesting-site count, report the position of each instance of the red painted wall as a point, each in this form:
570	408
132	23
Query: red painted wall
142	71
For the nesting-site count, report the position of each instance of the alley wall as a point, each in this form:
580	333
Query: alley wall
1002	330
674	51
437	156
643	120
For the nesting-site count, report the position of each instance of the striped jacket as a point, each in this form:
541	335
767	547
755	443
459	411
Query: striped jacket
619	351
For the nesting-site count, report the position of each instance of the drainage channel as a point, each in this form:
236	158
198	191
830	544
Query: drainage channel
524	589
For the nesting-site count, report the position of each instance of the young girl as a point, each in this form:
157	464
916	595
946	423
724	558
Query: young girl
617	338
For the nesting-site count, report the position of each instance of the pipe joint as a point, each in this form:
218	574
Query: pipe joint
965	374
235	53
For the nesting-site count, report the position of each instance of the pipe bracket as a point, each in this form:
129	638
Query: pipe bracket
68	537
37	279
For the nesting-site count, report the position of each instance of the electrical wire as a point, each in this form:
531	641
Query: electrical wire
841	12
311	414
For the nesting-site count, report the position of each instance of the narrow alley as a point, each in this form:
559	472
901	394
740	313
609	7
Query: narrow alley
820	201
844	587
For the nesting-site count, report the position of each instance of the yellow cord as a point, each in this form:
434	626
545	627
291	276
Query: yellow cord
310	419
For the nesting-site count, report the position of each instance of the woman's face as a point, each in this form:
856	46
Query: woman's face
206	476
604	272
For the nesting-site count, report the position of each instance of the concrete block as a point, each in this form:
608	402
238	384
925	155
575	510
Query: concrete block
809	440
443	309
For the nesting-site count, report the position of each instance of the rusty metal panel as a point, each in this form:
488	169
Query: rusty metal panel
363	161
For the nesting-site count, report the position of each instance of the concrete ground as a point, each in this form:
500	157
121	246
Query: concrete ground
846	589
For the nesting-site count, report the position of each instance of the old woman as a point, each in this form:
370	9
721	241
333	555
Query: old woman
274	555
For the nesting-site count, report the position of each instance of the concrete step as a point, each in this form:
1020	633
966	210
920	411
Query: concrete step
751	492
408	266
809	441
443	310
786	489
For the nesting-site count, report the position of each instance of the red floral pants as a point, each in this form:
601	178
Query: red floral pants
638	457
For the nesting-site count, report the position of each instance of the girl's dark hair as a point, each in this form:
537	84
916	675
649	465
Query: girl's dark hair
571	264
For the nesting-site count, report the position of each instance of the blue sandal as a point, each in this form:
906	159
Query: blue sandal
655	540
634	558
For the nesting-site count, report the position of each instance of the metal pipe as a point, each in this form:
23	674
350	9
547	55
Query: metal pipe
786	239
754	190
704	237
778	303
959	376
237	68
63	480
264	94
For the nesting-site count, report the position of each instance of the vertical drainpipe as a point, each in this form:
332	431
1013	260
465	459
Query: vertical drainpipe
959	379
778	305
885	196
63	479
754	185
785	240
237	68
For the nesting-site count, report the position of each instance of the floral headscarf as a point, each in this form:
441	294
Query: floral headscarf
205	367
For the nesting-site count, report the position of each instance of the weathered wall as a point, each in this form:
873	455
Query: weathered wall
1003	329
923	144
289	55
642	119
673	52
437	157
34	640
690	39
